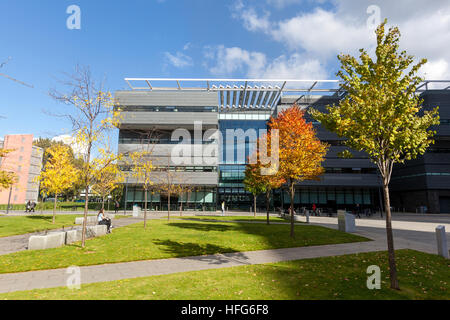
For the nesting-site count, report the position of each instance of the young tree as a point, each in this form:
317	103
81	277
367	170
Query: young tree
141	169
380	113
266	174
108	175
93	114
169	181
59	174
301	152
254	183
7	178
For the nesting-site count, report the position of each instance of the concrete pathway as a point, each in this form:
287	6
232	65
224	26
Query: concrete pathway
112	272
408	235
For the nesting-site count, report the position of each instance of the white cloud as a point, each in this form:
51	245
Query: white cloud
283	3
227	61
187	46
78	149
323	34
179	59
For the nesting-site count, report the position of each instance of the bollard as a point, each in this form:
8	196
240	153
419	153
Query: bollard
442	242
346	222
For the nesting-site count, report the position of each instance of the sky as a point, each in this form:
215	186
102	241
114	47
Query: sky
292	39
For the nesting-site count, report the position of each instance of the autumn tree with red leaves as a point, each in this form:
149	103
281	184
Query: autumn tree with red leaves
301	153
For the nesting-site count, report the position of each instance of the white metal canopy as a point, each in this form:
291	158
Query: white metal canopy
254	93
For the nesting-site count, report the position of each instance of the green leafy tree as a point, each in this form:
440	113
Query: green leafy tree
253	183
381	113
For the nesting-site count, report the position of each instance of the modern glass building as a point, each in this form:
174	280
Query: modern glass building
221	121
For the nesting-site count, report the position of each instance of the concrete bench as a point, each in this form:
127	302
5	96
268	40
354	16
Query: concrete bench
59	239
93	219
49	241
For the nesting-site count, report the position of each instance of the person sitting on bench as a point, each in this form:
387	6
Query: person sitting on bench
103	220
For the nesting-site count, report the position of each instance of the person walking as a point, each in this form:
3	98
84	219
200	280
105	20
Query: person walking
116	206
28	207
314	207
358	211
223	208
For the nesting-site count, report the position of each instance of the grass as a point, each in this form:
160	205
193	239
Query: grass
12	226
175	239
237	218
421	276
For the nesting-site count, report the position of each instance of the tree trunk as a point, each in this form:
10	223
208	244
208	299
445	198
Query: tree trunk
103	203
168	208
254	205
181	208
268	205
86	208
390	240
145	209
292	193
54	208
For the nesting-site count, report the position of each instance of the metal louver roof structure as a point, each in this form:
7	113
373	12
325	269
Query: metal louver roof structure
262	94
234	94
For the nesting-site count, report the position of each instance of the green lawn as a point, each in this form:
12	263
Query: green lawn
236	218
12	226
178	238
422	276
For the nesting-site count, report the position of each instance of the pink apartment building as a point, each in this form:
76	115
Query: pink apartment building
26	162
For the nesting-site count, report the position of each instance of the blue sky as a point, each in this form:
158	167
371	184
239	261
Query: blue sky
197	38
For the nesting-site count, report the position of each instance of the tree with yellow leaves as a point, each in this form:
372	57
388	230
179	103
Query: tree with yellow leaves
7	178
108	175
301	152
141	169
93	114
59	173
381	113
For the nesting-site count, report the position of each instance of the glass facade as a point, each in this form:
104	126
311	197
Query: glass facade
234	154
200	199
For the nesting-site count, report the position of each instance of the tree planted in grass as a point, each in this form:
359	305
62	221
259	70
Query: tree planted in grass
108	175
260	178
93	113
141	169
59	174
380	113
301	153
253	183
7	178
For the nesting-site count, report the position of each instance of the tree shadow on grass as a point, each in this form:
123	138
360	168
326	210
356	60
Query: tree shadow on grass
44	218
203	226
210	253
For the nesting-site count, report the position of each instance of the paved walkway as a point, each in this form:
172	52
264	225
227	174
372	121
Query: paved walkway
408	235
103	273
